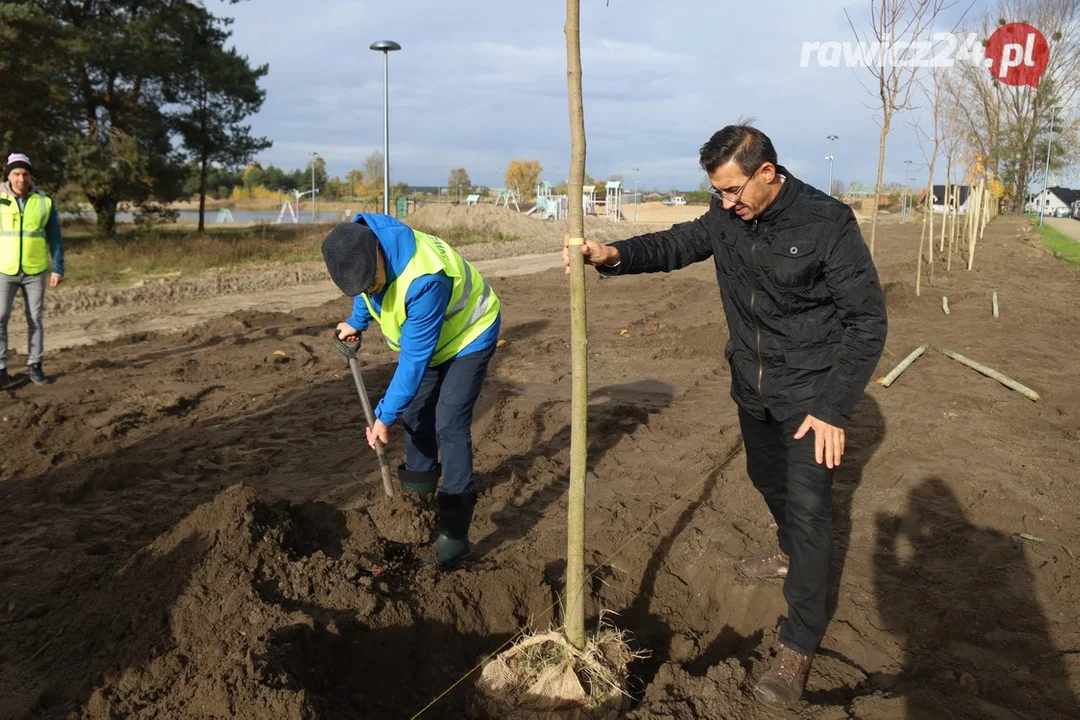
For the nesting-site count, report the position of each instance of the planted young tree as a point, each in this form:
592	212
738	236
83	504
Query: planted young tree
566	675
897	28
218	92
575	546
930	144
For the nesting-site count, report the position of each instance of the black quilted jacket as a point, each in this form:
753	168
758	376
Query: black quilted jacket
804	306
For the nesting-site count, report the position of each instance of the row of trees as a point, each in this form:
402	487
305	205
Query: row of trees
125	101
968	120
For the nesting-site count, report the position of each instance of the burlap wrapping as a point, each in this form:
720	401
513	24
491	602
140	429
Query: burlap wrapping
515	686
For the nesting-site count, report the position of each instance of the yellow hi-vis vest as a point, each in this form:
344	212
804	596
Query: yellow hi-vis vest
22	234
473	305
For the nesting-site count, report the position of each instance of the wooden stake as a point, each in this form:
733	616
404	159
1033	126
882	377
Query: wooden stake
574	620
973	223
1006	381
993	301
945	304
946	206
891	377
922	239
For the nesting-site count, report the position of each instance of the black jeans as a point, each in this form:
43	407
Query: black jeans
439	420
798	492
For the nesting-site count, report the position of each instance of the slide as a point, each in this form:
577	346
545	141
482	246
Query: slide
531	210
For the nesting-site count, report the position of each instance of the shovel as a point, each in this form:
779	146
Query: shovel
349	351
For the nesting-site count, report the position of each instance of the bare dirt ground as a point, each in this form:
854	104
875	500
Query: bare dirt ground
193	526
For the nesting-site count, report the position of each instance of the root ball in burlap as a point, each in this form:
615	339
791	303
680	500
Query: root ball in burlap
544	677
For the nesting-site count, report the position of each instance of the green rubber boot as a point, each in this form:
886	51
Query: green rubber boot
421	483
455	514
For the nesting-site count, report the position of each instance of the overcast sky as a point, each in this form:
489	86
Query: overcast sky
478	83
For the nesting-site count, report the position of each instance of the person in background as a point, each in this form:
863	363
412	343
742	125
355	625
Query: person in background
29	238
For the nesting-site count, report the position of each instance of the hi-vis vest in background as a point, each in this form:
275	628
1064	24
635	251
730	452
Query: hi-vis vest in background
22	234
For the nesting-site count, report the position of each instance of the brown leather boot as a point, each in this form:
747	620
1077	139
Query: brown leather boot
759	567
782	684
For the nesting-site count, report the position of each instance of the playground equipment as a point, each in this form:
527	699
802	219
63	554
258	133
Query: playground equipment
613	201
588	199
549	206
287	206
505	197
472	199
224	215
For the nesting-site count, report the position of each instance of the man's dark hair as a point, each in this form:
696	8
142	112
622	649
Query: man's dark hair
747	145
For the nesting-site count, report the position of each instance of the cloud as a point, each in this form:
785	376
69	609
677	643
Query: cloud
476	85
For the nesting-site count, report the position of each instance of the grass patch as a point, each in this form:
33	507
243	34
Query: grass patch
1063	246
136	254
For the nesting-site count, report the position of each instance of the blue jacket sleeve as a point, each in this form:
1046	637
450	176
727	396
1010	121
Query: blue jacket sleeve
56	242
425	307
361	316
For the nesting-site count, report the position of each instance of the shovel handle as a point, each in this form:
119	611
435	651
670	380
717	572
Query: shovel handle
349	351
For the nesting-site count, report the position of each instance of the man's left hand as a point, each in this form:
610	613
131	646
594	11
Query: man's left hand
828	440
380	432
55	279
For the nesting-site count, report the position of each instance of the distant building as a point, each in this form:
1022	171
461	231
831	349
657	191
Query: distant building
1052	201
939	197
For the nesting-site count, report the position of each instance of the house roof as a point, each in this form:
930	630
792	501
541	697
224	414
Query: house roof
1064	194
939	194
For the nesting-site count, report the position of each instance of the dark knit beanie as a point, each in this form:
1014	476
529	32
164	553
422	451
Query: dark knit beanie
350	252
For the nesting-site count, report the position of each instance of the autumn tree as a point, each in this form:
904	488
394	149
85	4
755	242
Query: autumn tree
459	182
522	176
1006	124
373	172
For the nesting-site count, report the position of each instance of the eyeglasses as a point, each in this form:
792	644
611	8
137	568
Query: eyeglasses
729	196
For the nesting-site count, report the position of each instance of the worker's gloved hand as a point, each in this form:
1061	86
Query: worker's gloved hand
348	333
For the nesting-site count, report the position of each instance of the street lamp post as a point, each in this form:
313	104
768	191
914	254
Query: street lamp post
313	200
832	156
637	198
1046	175
386	47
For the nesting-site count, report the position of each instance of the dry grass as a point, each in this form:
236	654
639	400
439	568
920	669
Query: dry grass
137	254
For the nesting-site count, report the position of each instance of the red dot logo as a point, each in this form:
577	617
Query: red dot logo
1017	54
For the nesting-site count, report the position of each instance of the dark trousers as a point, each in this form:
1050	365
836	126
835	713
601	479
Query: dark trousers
439	420
798	492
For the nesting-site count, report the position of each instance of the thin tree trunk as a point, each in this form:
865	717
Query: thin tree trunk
918	264
947	203
954	211
203	172
574	621
877	187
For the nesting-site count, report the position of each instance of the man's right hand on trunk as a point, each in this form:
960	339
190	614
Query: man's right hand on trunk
595	253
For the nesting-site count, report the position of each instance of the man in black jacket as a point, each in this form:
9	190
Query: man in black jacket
806	318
